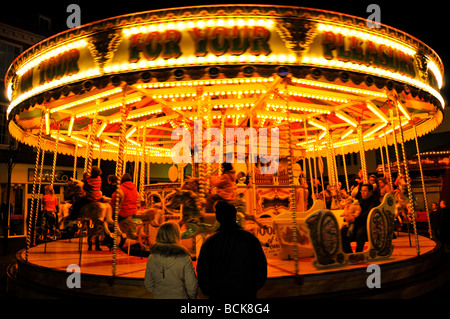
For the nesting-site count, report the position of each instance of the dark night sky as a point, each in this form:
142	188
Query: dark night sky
428	21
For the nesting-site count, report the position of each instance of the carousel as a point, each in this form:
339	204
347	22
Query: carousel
273	90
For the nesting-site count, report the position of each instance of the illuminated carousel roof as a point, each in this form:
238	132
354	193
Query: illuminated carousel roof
230	67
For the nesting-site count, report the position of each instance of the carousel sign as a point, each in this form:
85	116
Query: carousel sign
53	68
224	41
235	138
218	41
353	49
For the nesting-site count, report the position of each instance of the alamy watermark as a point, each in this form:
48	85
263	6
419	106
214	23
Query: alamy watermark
74	19
74	279
374	280
374	19
235	138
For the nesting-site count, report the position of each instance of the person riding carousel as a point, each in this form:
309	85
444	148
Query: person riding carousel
92	184
50	210
225	187
127	195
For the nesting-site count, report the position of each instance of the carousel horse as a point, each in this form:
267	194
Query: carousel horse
196	222
96	213
132	227
402	202
187	200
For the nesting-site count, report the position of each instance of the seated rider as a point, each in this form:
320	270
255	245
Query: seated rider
225	185
352	210
128	197
359	234
92	184
384	188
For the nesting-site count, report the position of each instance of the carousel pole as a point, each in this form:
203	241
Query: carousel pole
52	179
86	154
148	167
382	157
54	158
408	182
119	172
126	158
315	170
311	177
224	137
336	174
33	194
207	110
320	166
332	167
292	201
313	194
362	154
38	204
315	167
136	170
75	155
425	199
88	168
99	158
204	168
397	156
345	170
142	171
394	135
253	174
330	162
90	144
388	162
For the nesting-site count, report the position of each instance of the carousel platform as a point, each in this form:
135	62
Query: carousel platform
403	275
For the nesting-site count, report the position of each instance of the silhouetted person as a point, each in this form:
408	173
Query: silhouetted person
434	221
444	216
231	262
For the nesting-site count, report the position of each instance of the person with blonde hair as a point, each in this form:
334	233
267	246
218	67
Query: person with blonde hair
49	200
170	273
50	210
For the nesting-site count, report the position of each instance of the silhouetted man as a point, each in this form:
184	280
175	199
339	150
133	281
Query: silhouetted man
435	221
444	216
231	262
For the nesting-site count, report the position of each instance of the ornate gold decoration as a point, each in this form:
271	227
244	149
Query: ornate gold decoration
422	65
298	34
326	238
102	46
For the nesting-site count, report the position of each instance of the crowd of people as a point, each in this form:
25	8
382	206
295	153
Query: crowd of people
362	197
231	262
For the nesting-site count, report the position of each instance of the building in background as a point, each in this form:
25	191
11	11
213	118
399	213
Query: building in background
16	36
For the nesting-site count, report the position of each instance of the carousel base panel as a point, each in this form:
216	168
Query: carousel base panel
403	275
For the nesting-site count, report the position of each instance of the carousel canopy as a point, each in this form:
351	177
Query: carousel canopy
247	66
